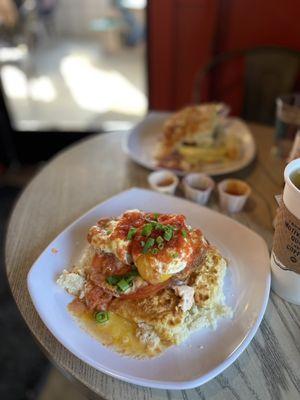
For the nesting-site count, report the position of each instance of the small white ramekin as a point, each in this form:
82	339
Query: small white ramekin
198	187
157	178
233	203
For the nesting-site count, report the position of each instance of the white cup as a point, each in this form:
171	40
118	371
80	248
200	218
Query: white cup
198	187
286	283
291	194
231	200
163	181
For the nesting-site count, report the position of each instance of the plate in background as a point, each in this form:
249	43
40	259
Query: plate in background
142	141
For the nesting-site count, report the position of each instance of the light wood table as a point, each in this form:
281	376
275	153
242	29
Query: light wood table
95	169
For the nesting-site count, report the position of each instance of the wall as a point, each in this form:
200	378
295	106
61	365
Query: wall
180	41
185	34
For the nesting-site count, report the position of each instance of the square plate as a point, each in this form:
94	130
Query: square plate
206	352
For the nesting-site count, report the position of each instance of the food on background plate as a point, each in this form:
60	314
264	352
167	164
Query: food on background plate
195	136
145	282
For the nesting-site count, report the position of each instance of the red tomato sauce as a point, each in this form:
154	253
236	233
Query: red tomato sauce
129	220
106	264
149	290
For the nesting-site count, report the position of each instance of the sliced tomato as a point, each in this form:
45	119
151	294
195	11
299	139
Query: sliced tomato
149	290
107	264
104	265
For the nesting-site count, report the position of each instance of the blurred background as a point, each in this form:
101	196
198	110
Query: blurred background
70	68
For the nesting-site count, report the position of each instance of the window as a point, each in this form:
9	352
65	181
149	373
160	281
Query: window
73	64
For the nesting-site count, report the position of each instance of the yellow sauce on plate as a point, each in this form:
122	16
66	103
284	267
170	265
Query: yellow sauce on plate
117	332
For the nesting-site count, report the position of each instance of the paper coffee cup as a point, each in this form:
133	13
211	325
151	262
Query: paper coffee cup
285	258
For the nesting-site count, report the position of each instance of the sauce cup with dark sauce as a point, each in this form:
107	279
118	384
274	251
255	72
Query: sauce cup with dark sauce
233	194
163	181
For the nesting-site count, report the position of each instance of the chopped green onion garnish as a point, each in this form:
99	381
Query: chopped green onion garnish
154	251
133	272
108	232
147	230
170	227
184	233
168	234
123	285
112	280
174	255
150	242
159	226
130	281
159	239
101	317
131	233
131	275
160	246
155	216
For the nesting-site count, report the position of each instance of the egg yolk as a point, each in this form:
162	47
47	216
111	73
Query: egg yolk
144	264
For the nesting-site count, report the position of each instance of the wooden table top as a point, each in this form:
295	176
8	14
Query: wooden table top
95	169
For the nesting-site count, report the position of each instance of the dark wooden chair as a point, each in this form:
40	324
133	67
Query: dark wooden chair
268	72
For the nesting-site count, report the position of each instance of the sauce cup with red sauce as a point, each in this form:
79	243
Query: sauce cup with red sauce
163	181
233	194
198	187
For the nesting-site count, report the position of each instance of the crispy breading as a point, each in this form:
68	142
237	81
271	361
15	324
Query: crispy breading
163	313
160	311
188	124
207	278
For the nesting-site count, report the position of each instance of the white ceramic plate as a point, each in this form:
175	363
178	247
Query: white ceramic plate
142	141
206	353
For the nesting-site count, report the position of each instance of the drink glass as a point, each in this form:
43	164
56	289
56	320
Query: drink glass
287	122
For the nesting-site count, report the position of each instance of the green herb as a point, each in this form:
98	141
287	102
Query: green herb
129	280
133	272
131	275
150	242
174	255
159	239
159	226
154	251
115	280
170	227
160	246
168	234
131	233
147	229
101	317
108	232
123	285
184	233
112	280
155	216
